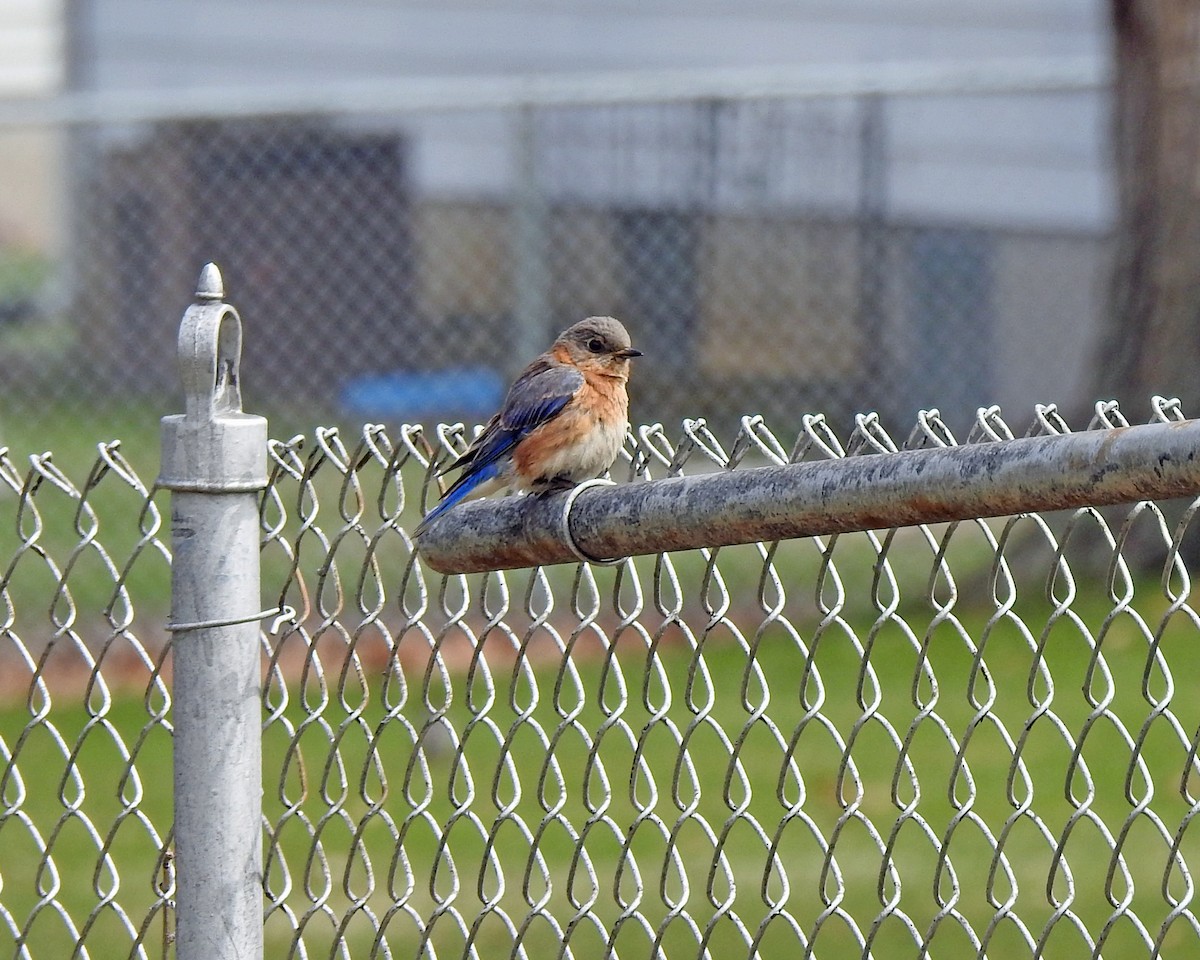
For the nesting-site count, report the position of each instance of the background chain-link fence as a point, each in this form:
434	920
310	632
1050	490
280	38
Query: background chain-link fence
976	738
882	273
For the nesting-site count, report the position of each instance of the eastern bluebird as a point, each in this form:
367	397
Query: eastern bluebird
562	422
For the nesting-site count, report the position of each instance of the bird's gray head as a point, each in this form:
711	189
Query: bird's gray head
599	343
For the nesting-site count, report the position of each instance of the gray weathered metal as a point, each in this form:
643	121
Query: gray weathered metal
992	479
214	461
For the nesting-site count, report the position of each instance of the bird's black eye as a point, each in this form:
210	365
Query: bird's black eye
596	345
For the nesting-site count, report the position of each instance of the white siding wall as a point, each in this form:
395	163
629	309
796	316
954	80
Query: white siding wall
31	64
30	46
1012	161
143	42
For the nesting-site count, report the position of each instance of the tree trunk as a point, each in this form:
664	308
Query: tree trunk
1152	341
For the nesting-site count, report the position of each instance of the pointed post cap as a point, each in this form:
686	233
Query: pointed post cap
214	447
211	285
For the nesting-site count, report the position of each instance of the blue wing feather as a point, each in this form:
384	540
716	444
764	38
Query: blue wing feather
537	397
539	394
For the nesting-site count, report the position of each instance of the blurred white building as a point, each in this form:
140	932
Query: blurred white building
998	203
1015	160
31	65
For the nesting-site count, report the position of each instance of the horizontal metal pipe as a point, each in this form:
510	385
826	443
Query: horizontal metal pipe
878	491
427	94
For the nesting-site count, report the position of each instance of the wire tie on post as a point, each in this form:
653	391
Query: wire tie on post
231	621
564	523
287	614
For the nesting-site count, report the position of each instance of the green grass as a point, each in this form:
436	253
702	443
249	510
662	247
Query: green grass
597	736
75	536
101	545
793	672
80	830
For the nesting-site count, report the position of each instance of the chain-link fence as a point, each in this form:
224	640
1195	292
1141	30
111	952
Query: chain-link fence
968	739
884	270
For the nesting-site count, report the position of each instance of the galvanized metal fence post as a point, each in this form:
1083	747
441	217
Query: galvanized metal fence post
214	461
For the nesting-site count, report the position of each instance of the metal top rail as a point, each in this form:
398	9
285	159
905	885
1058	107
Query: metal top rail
424	94
997	478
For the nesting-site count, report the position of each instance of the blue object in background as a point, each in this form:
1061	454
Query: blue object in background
469	393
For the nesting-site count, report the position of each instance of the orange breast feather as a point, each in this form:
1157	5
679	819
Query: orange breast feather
580	442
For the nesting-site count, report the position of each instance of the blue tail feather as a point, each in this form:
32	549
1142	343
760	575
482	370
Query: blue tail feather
459	491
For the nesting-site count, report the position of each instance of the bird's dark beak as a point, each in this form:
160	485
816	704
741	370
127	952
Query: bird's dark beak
628	354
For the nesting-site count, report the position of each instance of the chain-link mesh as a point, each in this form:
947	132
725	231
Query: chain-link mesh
85	701
972	739
710	227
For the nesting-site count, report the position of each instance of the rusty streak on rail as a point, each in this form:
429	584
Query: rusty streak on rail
877	491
